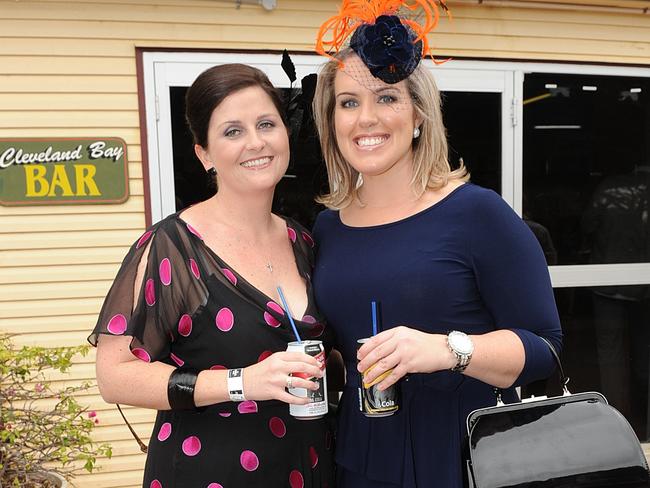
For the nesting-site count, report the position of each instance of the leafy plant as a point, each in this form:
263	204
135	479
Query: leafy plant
42	426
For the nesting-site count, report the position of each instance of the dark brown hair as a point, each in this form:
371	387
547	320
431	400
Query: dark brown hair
214	85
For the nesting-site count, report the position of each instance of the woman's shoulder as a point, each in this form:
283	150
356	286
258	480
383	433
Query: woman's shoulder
473	193
480	202
165	233
325	218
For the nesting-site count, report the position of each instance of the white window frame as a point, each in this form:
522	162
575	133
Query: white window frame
163	70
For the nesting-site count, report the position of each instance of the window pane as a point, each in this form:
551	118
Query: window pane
306	177
191	183
473	122
477	139
587	165
606	344
294	196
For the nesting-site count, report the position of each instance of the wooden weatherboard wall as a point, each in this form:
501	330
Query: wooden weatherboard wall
68	69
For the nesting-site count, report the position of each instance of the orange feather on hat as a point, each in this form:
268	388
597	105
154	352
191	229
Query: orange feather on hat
353	13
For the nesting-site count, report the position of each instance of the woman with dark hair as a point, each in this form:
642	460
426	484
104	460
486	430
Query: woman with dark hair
463	286
193	326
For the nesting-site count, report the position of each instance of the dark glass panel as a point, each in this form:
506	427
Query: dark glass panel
587	165
477	139
606	345
473	122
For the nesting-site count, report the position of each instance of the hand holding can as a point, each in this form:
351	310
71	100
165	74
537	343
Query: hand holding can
317	406
372	401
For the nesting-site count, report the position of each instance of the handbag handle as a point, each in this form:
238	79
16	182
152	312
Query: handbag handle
563	379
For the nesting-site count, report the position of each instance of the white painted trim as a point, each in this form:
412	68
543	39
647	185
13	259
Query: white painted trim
508	99
165	166
148	66
600	275
518	143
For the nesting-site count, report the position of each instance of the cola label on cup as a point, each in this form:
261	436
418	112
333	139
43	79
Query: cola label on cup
374	402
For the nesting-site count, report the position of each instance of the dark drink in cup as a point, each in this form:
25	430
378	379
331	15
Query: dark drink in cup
317	406
372	401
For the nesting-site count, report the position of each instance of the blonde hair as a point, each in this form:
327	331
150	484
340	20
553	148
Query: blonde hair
431	169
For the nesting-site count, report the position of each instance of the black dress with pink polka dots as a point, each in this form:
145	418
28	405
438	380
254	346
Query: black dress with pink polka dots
193	309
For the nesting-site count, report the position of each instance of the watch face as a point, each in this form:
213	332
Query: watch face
461	343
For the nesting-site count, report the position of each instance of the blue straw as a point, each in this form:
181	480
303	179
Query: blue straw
374	318
286	309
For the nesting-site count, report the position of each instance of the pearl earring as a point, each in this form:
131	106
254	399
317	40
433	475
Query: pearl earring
212	171
416	133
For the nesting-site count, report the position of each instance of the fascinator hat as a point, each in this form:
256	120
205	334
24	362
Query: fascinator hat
385	34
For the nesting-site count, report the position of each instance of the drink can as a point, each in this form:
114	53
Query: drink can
372	401
317	406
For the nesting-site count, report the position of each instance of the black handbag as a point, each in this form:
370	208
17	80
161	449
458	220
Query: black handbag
573	440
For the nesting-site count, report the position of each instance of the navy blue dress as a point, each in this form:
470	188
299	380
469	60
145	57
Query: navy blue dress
466	263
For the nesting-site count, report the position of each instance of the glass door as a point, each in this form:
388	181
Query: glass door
586	188
477	103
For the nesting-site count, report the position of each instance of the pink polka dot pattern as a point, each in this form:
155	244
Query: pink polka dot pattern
143	239
248	406
141	354
275	307
185	325
191	446
156	484
218	366
292	234
316	330
165	270
150	292
176	359
270	319
313	455
296	480
278	429
117	324
309	319
249	461
165	431
307	238
230	275
194	268
224	319
194	231
263	356
215	485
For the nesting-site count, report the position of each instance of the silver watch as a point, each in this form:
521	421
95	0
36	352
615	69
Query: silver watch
461	345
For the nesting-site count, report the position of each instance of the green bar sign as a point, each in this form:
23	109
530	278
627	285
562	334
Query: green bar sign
60	171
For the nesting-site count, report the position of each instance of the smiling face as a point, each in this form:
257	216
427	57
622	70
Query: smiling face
247	142
373	120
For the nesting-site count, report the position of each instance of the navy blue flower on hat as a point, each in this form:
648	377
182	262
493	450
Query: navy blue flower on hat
387	49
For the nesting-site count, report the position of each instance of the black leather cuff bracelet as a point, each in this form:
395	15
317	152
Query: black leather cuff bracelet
180	389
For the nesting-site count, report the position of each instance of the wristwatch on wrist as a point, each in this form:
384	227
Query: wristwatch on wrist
461	345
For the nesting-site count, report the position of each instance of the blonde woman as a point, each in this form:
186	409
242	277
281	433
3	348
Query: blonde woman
462	283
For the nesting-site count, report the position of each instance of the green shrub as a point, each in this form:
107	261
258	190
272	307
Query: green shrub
42	426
